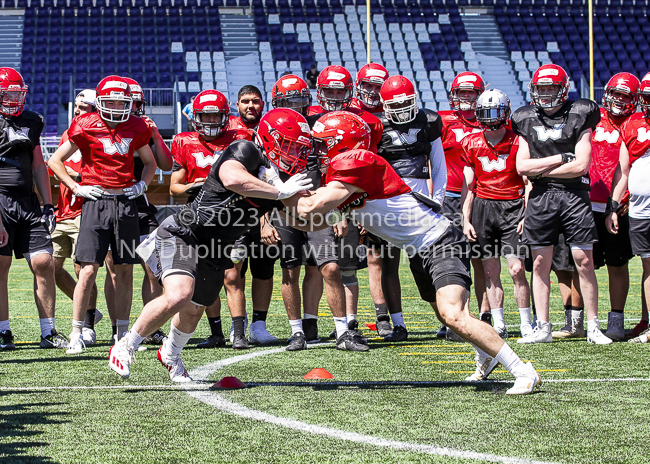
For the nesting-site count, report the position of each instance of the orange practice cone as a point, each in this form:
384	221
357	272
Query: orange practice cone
372	327
229	382
318	374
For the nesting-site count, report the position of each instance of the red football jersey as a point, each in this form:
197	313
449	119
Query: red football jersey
455	129
107	153
376	126
495	170
235	123
360	106
635	132
197	156
368	171
605	149
63	211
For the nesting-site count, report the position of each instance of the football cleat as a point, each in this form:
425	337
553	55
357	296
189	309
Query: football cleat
399	334
452	336
240	343
260	335
595	336
642	338
573	328
213	341
310	326
615	329
501	332
442	333
637	330
120	357
177	371
484	367
525	385
54	340
333	334
156	338
350	342
232	329
297	342
7	340
526	330
541	334
384	327
89	336
485	317
76	345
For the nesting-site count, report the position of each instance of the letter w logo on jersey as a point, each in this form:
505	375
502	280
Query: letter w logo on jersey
21	133
545	133
203	160
461	134
111	148
400	138
642	134
602	135
489	165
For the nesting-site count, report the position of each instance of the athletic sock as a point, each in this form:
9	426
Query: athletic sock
511	361
398	319
176	340
89	321
47	326
592	324
576	311
215	326
4	325
114	327
497	314
351	317
259	316
311	316
381	309
238	326
133	339
620	311
296	325
341	325
122	328
77	326
524	314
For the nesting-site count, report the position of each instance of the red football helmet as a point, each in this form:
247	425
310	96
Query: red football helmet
284	136
291	91
644	95
210	102
138	97
337	132
373	74
13	92
398	96
332	79
547	76
623	83
466	80
114	89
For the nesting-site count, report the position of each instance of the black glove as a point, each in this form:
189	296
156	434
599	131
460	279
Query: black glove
568	157
48	219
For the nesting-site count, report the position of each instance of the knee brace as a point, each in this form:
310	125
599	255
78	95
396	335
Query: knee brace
349	278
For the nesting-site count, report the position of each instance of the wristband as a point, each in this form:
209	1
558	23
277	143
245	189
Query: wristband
612	206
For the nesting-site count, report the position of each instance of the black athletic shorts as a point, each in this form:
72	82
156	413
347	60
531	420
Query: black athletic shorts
495	223
353	254
260	258
111	220
173	250
612	249
21	217
146	216
446	262
298	248
550	212
640	236
451	209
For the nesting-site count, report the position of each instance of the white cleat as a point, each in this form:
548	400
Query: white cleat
594	335
77	345
642	338
501	332
526	330
525	384
615	329
120	357
259	334
484	367
232	329
89	336
541	334
177	371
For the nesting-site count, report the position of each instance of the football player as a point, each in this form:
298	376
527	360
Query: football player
457	123
68	218
411	143
555	153
191	249
250	105
107	140
364	186
370	78
493	204
631	173
25	228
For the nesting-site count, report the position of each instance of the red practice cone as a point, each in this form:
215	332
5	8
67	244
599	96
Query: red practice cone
229	382
372	327
318	374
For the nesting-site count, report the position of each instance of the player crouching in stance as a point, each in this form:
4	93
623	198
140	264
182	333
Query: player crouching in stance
368	190
190	251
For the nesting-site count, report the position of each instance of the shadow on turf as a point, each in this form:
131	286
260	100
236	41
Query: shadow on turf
58	359
17	421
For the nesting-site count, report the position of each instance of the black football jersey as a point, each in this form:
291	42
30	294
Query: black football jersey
559	133
220	215
407	146
19	136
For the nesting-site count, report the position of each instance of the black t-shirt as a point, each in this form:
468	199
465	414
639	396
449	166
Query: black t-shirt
312	78
19	136
220	215
407	146
559	133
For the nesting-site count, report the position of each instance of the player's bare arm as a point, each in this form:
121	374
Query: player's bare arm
580	165
532	167
161	151
619	186
236	178
178	184
65	151
466	199
325	199
149	170
41	176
